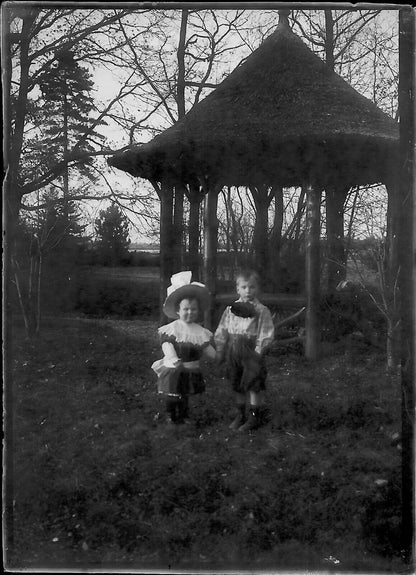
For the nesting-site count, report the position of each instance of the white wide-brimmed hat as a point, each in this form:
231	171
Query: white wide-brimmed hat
181	287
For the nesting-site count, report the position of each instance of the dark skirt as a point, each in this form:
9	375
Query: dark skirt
181	382
246	369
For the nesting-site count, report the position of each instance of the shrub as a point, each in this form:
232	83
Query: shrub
109	297
144	259
342	314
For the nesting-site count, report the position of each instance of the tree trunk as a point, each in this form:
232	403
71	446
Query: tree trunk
336	261
407	253
15	143
349	238
313	221
13	148
298	217
180	54
329	39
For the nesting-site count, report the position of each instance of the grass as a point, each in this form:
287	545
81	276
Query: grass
100	481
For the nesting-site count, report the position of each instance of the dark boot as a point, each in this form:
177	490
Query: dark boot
240	417
183	409
265	415
253	420
172	409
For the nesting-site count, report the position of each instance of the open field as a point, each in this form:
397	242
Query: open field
101	482
134	273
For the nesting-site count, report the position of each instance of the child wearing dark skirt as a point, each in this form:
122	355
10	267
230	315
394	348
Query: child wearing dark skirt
242	337
184	343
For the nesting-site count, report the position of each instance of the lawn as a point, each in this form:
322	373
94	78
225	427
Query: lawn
100	481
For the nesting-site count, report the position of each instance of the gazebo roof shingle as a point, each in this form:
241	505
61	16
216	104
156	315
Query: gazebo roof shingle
282	116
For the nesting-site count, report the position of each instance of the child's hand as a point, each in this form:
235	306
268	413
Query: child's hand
257	354
219	358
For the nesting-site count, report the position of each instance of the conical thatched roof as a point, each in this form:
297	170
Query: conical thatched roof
281	116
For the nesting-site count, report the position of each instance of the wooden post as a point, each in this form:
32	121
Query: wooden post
195	197
210	247
166	234
276	238
178	229
262	200
407	253
391	271
336	263
313	227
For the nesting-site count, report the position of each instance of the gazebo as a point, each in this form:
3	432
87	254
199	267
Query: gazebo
281	118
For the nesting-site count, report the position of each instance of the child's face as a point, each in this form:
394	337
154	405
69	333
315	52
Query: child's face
247	289
188	310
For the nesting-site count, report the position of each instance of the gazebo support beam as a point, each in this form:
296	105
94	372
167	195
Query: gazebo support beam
210	245
166	236
407	253
392	268
262	199
194	210
276	237
178	229
336	264
313	227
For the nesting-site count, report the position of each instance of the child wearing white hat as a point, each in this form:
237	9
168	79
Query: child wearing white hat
184	342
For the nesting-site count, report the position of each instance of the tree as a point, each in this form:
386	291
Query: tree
66	114
48	246
36	42
46	92
112	229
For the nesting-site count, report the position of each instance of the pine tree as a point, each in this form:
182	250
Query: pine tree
112	230
66	114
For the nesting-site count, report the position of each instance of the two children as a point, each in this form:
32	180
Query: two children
243	335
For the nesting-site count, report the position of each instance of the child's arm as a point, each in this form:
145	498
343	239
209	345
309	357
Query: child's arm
209	352
265	331
221	335
170	353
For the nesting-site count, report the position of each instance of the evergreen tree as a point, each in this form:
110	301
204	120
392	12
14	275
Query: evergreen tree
59	229
66	114
112	229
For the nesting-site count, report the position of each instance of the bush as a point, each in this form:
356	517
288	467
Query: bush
107	297
144	259
342	314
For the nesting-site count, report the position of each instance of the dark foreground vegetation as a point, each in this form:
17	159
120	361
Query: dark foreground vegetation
101	481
